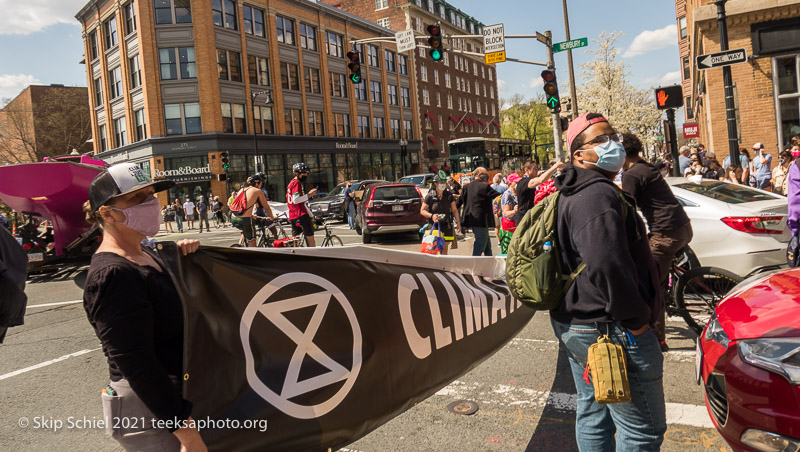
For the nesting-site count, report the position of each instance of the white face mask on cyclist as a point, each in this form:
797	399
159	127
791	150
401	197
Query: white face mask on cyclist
441	186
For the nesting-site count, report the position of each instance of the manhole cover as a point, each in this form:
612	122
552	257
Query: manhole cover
464	407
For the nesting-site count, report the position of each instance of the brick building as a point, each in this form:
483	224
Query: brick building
44	121
766	87
457	96
175	83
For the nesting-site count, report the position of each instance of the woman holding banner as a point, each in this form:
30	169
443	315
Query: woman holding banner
439	207
136	312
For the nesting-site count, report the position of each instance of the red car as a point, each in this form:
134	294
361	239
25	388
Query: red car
748	359
388	208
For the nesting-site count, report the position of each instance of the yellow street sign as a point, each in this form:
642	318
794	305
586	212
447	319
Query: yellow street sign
495	57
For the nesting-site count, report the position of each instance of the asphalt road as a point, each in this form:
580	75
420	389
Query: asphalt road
51	370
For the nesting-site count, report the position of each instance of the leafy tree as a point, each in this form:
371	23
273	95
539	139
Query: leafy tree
605	89
527	120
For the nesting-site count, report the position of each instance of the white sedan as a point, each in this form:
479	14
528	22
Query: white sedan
736	227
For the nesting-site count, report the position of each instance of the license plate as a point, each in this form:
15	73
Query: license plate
35	257
698	362
397	208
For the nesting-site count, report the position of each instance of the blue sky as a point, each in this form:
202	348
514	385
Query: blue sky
47	30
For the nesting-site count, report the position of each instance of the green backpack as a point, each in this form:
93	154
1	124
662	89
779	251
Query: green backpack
533	263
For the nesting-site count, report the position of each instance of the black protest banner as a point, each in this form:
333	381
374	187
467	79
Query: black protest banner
326	345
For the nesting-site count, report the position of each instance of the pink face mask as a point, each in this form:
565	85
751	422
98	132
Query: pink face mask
143	218
795	153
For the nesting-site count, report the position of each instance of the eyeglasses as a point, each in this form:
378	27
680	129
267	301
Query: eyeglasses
603	139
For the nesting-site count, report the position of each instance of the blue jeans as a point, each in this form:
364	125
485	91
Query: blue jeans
351	212
179	221
482	243
639	424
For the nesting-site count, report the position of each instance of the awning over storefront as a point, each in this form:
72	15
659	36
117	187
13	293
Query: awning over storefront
482	123
433	140
496	124
453	118
430	116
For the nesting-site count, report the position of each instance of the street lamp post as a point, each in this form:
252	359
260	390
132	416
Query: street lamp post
253	96
403	149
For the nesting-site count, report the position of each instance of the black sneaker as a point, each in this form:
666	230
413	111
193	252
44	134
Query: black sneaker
664	346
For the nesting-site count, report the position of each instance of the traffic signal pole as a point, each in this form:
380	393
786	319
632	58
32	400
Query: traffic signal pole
573	91
556	117
727	79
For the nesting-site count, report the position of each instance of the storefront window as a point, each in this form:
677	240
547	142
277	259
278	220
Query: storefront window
387	167
365	167
787	80
277	177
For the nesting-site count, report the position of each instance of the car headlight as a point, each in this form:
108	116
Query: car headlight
337	202
780	356
714	332
768	441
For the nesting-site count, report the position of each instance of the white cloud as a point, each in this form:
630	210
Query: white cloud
670	78
30	16
650	40
536	83
501	86
12	85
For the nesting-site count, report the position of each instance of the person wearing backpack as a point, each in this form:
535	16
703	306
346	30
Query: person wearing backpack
616	293
242	208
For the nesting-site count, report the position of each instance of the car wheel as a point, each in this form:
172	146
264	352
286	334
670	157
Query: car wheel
358	227
366	237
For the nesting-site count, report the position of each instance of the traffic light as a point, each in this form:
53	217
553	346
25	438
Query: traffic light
435	41
551	90
354	66
224	157
669	97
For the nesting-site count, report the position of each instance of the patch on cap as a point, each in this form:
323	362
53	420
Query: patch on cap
128	176
121	179
578	125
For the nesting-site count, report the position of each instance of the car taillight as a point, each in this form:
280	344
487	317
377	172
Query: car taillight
418	192
754	225
371	195
27	246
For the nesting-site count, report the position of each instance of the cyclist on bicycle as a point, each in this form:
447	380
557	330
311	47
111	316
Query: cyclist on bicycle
297	199
254	196
439	207
216	207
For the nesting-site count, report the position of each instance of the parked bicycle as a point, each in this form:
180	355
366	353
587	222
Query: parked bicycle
264	237
693	291
330	239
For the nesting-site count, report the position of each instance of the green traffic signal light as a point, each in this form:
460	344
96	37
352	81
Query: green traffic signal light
355	78
436	54
225	166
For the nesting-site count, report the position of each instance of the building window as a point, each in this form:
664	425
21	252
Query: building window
438	99
402	64
101	131
447	82
110	28
316	126
380	131
285	29
449	102
141	125
484	91
445	58
308	37
477	87
233	118
229	65
224	13
491	92
93	45
120	134
426	97
289	77
342	124
381	4
98	92
168	63
360	90
258	70
389	56
335	45
475	69
395	126
442	12
786	78
253	21
180	117
439	118
687	103
478	107
491	75
372	56
115	82
422	52
264	122
392	94
363	127
130	18
338	85
682	26
312	81
435	76
686	68
293	120
375	92
136	71
383	22
173	11
404	96
407	130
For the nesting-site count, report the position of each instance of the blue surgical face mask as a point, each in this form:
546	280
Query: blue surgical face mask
611	156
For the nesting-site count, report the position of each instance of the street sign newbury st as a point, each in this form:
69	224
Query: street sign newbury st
669	97
405	41
494	44
569	45
691	130
726	58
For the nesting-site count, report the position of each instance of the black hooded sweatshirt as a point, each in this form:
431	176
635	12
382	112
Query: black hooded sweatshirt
620	280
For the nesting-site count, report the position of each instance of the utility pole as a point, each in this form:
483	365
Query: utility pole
573	91
733	138
556	117
672	142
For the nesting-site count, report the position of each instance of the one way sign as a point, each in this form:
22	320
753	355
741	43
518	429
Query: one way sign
720	59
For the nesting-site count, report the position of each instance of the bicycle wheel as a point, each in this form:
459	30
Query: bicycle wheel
332	241
698	291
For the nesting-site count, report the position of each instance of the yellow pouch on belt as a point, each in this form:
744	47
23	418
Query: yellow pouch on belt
606	362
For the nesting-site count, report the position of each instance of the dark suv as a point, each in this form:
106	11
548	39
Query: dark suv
331	206
387	208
